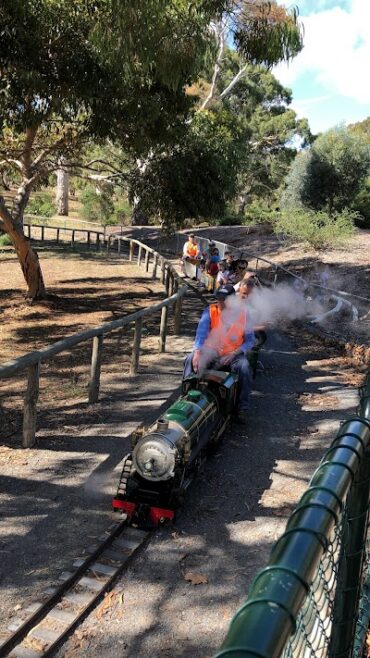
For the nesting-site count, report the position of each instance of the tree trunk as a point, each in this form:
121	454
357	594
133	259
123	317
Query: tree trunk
27	256
62	191
138	217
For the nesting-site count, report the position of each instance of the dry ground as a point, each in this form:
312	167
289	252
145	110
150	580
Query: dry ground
85	290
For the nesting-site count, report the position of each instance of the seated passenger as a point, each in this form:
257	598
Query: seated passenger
191	248
222	341
240	270
223	274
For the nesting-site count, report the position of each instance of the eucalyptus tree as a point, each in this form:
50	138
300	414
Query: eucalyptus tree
329	174
197	181
73	71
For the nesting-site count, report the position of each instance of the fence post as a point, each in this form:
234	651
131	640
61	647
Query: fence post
98	242
88	240
163	270
96	357
42	233
351	561
177	316
58	231
132	249
147	255
119	246
163	329
73	239
139	255
168	282
30	406
136	346
155	266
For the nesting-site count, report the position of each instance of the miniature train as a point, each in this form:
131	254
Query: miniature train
164	458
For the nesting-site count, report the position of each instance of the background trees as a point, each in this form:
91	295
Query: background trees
329	175
64	82
118	72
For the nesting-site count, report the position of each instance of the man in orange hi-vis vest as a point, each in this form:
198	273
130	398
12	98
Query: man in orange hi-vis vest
222	341
191	248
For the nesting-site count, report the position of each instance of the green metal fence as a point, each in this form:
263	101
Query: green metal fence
313	598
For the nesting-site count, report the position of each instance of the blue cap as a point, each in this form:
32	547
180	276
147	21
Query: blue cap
225	291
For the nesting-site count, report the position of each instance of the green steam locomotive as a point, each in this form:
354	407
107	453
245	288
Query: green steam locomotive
164	458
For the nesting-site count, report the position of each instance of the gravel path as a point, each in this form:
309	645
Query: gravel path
234	512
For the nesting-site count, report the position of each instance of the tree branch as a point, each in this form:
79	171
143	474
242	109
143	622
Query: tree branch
241	73
12	161
220	33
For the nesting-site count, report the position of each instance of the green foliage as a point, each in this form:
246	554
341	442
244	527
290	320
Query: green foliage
230	220
329	174
42	205
198	176
258	212
98	207
267	33
5	241
318	229
361	204
271	128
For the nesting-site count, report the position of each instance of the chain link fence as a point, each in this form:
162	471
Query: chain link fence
312	600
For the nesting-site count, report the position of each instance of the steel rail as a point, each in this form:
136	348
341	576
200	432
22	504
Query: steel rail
73	605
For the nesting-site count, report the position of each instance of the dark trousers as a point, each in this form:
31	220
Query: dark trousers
240	366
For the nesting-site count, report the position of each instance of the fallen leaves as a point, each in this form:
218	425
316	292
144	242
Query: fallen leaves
195	578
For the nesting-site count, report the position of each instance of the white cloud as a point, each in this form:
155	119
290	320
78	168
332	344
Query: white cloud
336	52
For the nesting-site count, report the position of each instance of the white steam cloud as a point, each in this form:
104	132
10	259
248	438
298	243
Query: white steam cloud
264	307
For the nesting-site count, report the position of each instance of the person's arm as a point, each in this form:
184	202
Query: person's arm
185	249
249	341
203	329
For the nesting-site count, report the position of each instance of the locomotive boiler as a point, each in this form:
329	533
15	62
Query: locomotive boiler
164	458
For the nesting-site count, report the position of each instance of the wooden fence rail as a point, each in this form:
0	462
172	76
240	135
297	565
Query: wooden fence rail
32	361
91	238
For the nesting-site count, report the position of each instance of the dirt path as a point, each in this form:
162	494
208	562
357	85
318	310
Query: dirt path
234	512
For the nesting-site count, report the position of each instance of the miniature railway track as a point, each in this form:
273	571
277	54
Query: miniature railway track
42	627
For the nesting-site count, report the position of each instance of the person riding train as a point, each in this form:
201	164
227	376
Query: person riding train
223	340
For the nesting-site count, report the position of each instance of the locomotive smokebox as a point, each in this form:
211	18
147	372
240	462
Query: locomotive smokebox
154	457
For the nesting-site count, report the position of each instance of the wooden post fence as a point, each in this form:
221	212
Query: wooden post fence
155	266
30	406
31	362
163	270
163	329
96	358
136	346
139	255
168	281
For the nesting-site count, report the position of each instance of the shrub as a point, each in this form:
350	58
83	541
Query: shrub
231	220
257	212
318	229
41	205
97	207
5	240
122	211
361	203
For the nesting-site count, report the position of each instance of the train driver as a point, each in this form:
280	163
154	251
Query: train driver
222	341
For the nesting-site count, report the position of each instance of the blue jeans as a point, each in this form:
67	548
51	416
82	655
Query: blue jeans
240	366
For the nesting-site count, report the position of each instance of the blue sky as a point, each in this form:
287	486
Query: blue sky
330	78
